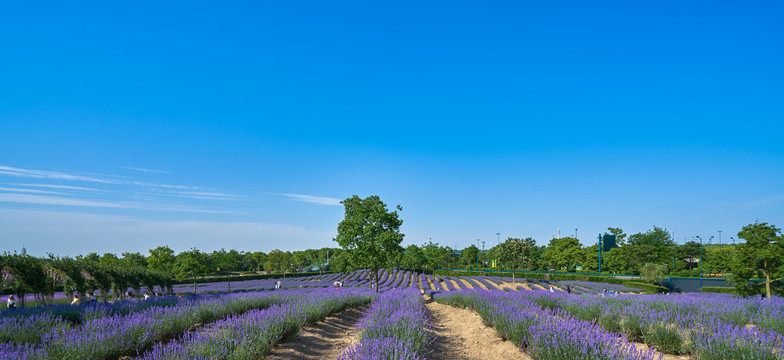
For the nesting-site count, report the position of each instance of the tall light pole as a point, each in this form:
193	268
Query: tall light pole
600	253
719	237
499	238
701	273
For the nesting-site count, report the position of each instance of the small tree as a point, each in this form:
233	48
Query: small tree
370	233
191	264
515	253
653	272
161	259
413	257
761	255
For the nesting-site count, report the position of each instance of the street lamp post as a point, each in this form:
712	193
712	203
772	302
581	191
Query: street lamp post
700	262
599	242
499	237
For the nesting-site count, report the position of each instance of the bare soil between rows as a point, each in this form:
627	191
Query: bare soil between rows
461	335
323	340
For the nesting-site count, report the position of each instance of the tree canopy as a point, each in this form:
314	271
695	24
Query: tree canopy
762	256
370	233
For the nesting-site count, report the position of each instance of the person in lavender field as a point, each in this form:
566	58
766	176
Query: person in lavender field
146	296
551	289
604	291
75	300
11	302
277	285
568	289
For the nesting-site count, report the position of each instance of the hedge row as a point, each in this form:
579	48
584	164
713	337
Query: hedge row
718	289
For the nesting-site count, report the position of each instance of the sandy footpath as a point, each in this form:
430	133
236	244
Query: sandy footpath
462	335
323	340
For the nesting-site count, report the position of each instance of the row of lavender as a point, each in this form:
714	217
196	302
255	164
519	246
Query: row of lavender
580	327
253	334
396	326
44	335
688	323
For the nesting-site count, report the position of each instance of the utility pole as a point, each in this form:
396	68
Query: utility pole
600	253
700	261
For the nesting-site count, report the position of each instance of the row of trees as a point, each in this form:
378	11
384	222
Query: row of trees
25	274
371	236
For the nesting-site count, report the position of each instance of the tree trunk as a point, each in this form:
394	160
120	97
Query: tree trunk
767	284
194	284
513	276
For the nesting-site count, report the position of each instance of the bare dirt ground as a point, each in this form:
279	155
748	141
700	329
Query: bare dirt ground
664	356
455	285
323	340
481	285
445	286
513	286
465	284
461	335
495	285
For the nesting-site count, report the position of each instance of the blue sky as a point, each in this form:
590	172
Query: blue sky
125	126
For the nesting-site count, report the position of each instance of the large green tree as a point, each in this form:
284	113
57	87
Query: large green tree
370	233
762	255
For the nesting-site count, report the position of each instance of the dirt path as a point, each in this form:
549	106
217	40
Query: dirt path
465	284
495	285
481	284
445	286
461	335
323	340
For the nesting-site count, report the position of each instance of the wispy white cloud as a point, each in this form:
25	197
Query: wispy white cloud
64	201
43	174
205	195
34	191
54	200
146	170
66	187
314	199
55	175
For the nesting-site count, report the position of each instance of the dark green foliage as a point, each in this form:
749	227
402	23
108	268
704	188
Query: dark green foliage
370	233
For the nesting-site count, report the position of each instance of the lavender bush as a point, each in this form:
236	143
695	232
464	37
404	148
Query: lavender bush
394	327
253	334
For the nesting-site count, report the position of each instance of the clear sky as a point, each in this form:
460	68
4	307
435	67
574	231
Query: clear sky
129	125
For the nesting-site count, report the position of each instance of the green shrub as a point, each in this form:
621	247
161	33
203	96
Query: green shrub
718	289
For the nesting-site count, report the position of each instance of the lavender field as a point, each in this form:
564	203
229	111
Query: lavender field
545	324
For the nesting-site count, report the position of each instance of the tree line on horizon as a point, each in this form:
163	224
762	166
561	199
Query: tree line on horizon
369	238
